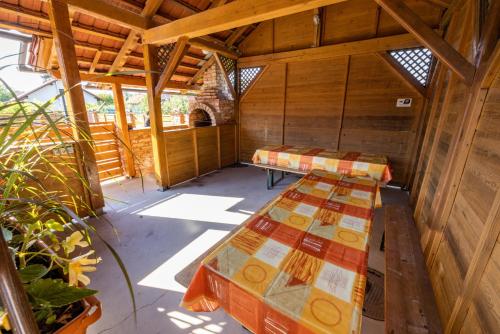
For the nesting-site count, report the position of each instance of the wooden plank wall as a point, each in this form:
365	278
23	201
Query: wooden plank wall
345	103
460	239
196	151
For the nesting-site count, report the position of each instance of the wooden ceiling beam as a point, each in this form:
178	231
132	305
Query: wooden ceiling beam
213	47
236	34
174	59
439	47
217	3
127	80
149	10
186	6
235	14
110	13
373	45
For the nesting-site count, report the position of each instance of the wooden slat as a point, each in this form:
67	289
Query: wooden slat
201	71
403	74
207	151
235	14
410	305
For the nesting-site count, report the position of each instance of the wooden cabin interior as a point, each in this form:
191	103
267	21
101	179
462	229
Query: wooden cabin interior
415	83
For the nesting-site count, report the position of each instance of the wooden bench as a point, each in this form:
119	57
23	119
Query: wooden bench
410	305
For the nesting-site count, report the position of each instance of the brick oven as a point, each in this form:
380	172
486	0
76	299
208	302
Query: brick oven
214	105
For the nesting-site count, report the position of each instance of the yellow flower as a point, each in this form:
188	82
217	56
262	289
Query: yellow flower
80	265
75	239
4	322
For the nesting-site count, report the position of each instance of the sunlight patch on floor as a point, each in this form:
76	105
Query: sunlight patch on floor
196	325
163	277
206	208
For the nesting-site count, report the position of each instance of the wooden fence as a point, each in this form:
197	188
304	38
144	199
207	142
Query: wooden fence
196	151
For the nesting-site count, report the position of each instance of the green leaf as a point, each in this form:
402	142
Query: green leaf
53	225
56	293
32	272
7	234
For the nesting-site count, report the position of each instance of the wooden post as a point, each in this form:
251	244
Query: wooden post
70	74
156	117
122	124
195	149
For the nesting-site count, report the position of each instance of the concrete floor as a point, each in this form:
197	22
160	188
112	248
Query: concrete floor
157	234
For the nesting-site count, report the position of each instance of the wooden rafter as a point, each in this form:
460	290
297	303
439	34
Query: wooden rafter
149	10
201	71
225	75
373	45
110	13
235	35
173	61
235	14
439	47
95	61
213	47
403	73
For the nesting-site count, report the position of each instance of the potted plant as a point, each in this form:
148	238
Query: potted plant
49	244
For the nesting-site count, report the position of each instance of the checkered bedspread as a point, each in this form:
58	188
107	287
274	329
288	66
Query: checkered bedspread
306	159
299	264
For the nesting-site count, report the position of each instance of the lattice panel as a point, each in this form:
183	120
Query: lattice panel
247	76
164	52
230	67
416	61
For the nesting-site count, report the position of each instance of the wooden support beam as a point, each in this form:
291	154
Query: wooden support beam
66	54
201	71
373	45
127	47
235	14
149	10
403	74
186	6
156	117
235	35
122	125
225	75
439	47
110	13
213	47
173	61
95	61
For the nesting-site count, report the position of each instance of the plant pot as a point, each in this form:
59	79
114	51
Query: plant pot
91	313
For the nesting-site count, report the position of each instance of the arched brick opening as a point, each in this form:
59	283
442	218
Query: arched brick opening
201	114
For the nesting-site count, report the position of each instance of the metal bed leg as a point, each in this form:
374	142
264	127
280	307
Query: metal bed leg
270	179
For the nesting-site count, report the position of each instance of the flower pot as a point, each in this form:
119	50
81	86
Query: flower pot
91	313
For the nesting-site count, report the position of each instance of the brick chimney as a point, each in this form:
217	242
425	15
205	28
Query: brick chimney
215	99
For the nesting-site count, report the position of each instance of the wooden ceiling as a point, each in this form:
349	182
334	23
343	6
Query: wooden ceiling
103	46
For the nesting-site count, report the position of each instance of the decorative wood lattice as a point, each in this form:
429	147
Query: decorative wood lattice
247	76
164	52
416	61
230	67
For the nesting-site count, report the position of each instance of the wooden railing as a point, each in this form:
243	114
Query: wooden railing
196	151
